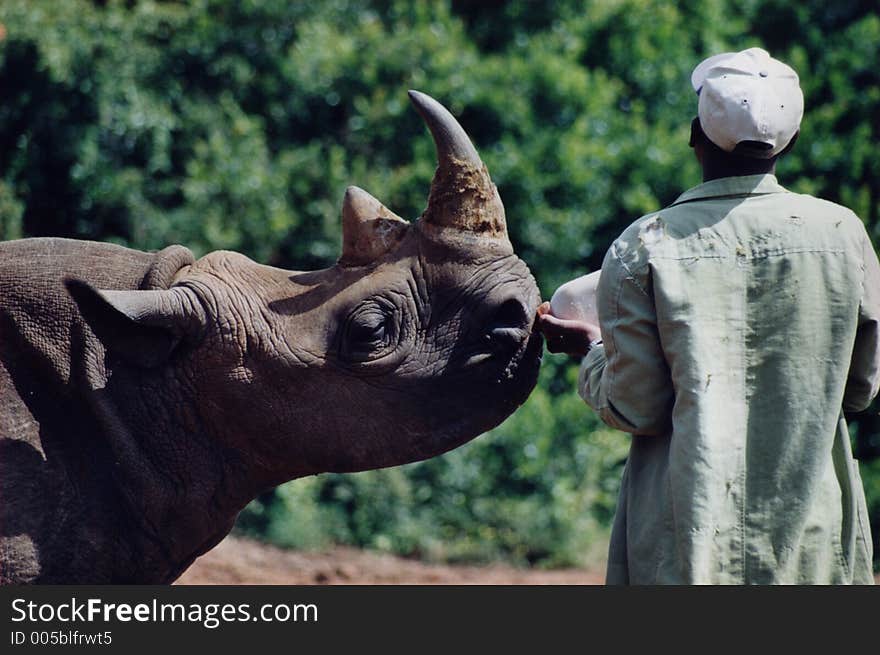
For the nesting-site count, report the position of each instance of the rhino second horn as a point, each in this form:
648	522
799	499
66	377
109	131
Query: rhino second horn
463	197
369	228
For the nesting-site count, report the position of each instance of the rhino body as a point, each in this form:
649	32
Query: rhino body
145	398
67	487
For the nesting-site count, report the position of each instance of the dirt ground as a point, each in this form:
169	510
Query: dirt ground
243	561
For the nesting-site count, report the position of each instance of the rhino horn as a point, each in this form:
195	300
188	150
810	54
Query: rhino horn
463	198
369	229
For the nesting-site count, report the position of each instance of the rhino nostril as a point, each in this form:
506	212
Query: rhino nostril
511	314
510	322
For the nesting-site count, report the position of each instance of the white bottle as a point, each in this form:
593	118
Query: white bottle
576	299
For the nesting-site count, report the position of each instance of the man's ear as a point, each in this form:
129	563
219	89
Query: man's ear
140	327
790	146
696	130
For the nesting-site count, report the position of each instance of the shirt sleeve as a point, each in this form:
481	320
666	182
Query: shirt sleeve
627	380
864	372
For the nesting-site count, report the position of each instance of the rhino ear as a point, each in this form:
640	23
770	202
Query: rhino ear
140	327
369	228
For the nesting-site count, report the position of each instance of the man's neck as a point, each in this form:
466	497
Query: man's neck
716	168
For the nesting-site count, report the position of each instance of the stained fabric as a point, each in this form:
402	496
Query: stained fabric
738	325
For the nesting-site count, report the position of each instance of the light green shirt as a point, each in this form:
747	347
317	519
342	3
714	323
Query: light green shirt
738	324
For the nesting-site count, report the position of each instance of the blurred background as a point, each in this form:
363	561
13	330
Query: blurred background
238	125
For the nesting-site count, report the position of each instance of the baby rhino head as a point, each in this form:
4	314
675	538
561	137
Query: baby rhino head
417	340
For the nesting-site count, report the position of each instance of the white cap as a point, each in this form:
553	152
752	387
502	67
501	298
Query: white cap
748	96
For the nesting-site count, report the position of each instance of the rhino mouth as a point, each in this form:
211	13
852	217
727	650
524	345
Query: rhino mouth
530	355
486	356
503	358
478	358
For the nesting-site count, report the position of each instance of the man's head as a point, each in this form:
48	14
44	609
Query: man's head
749	112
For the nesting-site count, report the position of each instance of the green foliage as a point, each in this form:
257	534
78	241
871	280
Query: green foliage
239	125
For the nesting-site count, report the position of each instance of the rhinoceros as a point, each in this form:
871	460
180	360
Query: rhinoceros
146	398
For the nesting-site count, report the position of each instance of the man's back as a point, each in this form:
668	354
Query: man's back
730	320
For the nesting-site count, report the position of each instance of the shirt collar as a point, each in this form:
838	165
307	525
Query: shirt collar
742	185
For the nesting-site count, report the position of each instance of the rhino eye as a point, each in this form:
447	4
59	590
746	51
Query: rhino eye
369	327
370	332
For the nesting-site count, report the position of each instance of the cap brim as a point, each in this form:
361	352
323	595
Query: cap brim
702	69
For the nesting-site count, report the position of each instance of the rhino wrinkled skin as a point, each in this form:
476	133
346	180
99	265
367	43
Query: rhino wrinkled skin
145	398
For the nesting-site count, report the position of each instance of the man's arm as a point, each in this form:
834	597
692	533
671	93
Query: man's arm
864	371
627	379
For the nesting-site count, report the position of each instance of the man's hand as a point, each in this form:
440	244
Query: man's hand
565	336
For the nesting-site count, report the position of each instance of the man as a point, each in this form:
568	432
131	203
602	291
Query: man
737	325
